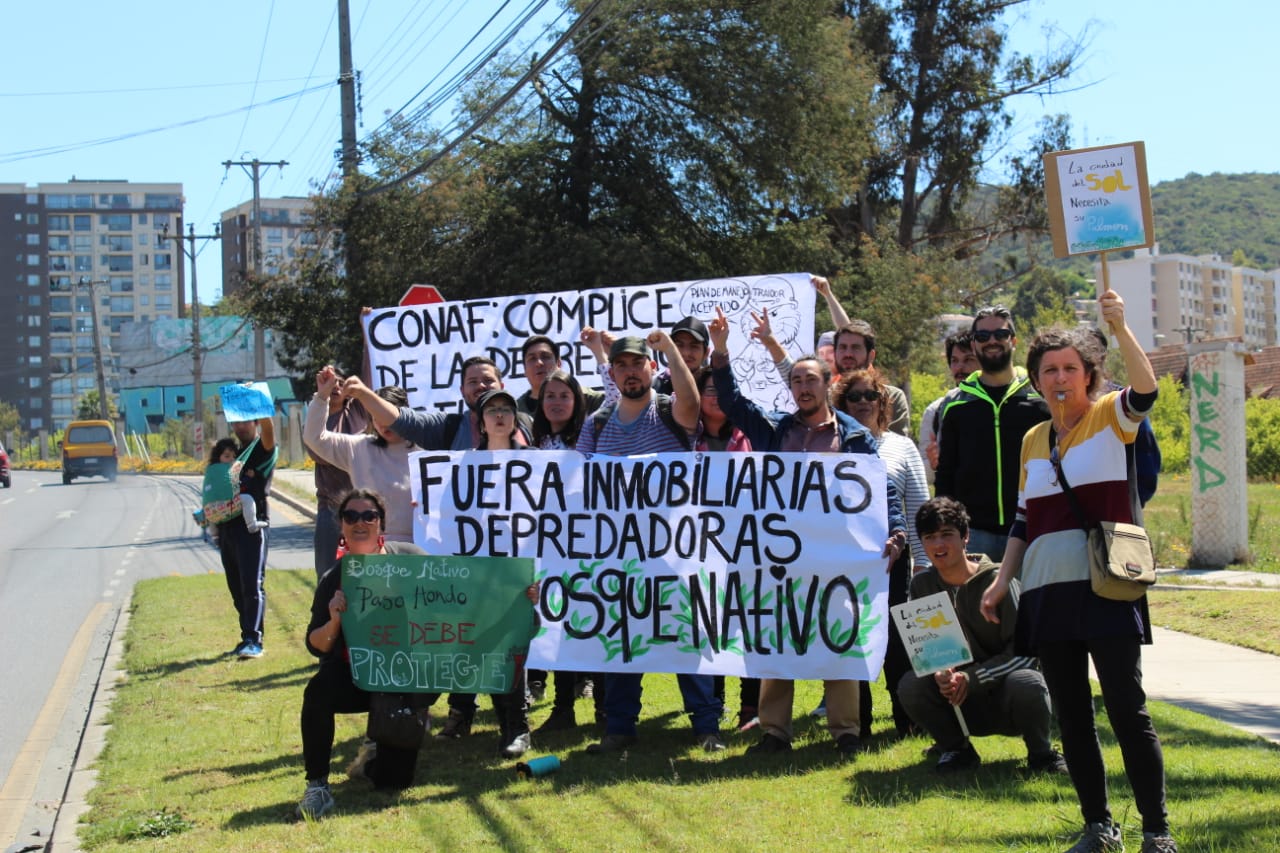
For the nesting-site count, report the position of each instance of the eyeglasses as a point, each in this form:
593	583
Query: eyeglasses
859	396
984	335
500	411
351	516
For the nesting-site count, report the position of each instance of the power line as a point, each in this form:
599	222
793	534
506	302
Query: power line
262	55
34	153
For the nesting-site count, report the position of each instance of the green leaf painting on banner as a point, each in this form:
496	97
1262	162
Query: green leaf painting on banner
436	624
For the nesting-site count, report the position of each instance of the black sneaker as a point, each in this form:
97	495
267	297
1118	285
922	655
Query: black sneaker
769	744
561	720
848	745
456	725
537	690
1049	762
955	760
612	743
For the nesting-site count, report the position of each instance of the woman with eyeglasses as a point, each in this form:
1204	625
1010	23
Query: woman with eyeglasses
362	515
861	394
1060	619
716	432
560	415
376	460
498	425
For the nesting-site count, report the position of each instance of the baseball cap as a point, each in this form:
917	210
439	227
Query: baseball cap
631	344
693	326
493	394
826	339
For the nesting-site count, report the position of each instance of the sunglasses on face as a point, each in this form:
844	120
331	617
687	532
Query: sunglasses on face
351	516
500	411
984	335
859	396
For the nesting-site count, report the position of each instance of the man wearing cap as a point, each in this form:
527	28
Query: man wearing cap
814	427
541	356
636	424
827	349
690	336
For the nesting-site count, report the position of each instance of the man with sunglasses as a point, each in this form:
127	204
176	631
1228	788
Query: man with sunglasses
979	457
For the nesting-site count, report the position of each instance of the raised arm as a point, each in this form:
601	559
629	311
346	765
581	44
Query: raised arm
838	315
1142	378
686	402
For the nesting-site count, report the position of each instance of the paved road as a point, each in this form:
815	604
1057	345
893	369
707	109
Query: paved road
70	557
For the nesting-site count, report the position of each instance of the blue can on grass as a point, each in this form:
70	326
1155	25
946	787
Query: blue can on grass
536	767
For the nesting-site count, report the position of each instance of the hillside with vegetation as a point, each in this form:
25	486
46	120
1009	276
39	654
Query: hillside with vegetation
1235	216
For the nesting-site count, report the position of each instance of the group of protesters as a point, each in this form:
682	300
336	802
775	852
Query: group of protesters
995	537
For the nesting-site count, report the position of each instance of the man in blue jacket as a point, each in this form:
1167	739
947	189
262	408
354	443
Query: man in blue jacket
814	427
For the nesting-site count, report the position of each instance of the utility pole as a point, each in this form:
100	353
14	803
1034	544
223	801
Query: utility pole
104	412
197	349
1188	331
252	167
347	93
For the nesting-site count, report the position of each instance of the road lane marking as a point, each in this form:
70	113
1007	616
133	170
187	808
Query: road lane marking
16	793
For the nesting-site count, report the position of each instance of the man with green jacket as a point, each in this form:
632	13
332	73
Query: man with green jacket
982	427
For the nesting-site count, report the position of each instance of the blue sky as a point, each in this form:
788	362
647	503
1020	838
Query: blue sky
159	93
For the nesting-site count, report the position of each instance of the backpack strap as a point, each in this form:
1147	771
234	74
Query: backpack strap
452	421
663	404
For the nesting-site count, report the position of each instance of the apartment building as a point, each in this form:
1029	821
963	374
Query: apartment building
1193	297
285	234
71	245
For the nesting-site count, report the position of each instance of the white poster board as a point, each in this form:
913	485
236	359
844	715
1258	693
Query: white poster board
1098	199
422	348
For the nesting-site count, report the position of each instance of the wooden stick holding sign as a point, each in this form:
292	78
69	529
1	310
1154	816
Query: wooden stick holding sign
933	638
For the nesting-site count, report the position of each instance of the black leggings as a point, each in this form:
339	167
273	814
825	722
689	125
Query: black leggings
1118	662
331	691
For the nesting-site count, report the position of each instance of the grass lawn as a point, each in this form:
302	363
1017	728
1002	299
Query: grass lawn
1168	521
208	748
1219	615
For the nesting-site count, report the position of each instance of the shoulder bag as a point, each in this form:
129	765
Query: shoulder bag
1121	564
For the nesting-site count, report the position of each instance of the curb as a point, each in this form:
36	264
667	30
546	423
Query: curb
84	776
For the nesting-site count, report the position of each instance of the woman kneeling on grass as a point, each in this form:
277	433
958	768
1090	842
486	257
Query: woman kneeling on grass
331	690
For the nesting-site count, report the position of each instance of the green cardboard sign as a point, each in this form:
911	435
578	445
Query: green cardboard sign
426	624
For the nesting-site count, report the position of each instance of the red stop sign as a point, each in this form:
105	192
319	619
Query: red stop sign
421	294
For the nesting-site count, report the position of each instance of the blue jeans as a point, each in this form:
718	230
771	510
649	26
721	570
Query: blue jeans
987	542
325	539
622	702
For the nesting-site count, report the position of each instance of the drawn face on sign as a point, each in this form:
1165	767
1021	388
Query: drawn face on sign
477	379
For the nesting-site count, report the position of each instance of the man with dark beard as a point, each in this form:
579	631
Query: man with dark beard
982	429
814	427
644	421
